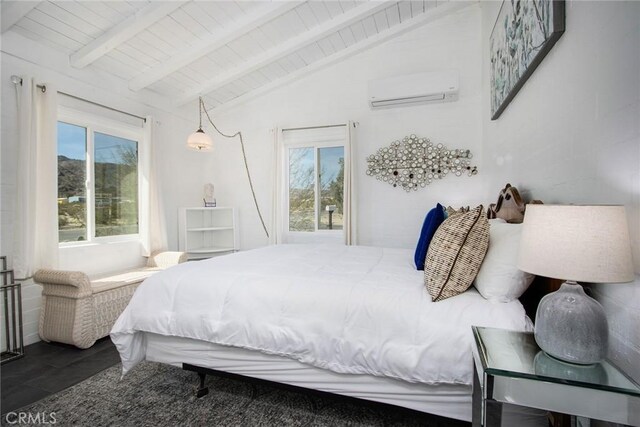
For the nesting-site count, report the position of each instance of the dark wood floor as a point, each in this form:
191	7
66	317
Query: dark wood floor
48	368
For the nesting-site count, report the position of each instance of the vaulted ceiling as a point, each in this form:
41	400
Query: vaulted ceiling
226	51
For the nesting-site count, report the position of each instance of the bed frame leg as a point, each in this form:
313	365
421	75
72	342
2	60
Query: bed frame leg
202	374
202	389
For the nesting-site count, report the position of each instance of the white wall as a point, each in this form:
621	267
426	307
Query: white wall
572	135
181	170
386	216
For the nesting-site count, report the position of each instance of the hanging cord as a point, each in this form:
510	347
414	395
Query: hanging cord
246	165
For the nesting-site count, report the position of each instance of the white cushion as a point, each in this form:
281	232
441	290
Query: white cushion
499	280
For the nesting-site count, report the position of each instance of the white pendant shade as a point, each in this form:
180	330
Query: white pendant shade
200	141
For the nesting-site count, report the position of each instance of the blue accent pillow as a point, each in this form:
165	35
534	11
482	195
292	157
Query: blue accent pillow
432	221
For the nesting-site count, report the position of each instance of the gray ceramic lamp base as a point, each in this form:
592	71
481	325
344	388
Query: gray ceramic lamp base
571	326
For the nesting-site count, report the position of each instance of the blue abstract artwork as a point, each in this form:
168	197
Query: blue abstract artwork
524	32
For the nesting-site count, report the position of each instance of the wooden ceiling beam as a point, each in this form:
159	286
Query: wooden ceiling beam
289	46
218	39
120	33
14	11
430	15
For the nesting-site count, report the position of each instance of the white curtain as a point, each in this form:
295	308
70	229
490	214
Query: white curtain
277	199
36	220
156	233
349	202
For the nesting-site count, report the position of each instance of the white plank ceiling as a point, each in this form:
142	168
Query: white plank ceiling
225	51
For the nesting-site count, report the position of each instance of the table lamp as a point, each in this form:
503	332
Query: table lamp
576	244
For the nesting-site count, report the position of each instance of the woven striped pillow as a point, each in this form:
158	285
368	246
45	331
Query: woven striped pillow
456	253
453	211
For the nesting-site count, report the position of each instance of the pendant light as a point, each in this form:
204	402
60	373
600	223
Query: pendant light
199	140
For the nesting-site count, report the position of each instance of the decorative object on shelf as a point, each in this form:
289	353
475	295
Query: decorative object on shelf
575	243
12	306
209	200
416	162
524	32
202	142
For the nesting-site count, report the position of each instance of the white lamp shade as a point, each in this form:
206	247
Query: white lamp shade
578	243
200	141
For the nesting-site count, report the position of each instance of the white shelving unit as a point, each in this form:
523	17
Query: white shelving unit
206	232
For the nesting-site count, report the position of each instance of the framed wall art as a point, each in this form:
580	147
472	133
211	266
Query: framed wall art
524	32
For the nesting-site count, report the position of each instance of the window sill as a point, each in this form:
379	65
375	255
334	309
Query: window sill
98	242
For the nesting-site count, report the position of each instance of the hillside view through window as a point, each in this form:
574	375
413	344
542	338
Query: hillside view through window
112	199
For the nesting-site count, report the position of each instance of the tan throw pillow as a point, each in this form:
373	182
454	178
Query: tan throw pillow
456	253
453	211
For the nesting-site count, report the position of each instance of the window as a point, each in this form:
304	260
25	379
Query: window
316	188
313	178
98	180
72	175
116	185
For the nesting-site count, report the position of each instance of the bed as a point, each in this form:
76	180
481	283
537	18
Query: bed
349	320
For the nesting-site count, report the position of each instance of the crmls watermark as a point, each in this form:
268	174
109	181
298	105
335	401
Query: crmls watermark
30	418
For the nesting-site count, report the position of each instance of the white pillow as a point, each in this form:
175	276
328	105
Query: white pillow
499	280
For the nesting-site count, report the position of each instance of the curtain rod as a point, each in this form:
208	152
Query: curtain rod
316	127
43	88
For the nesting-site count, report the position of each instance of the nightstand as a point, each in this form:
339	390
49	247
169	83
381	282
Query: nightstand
509	367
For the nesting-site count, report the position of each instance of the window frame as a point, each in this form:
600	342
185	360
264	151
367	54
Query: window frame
94	123
316	188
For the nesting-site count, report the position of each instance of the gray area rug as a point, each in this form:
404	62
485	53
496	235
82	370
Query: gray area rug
160	395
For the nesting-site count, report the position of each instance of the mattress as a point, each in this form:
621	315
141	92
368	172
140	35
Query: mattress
346	309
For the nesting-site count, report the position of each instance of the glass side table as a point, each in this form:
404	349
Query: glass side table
509	367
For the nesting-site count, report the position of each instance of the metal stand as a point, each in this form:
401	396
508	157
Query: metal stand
13	339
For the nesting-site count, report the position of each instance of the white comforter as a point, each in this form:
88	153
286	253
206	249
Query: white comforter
350	309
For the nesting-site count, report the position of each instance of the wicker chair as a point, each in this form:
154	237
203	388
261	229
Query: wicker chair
78	311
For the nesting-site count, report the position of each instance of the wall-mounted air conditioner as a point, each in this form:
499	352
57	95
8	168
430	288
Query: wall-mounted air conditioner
432	87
